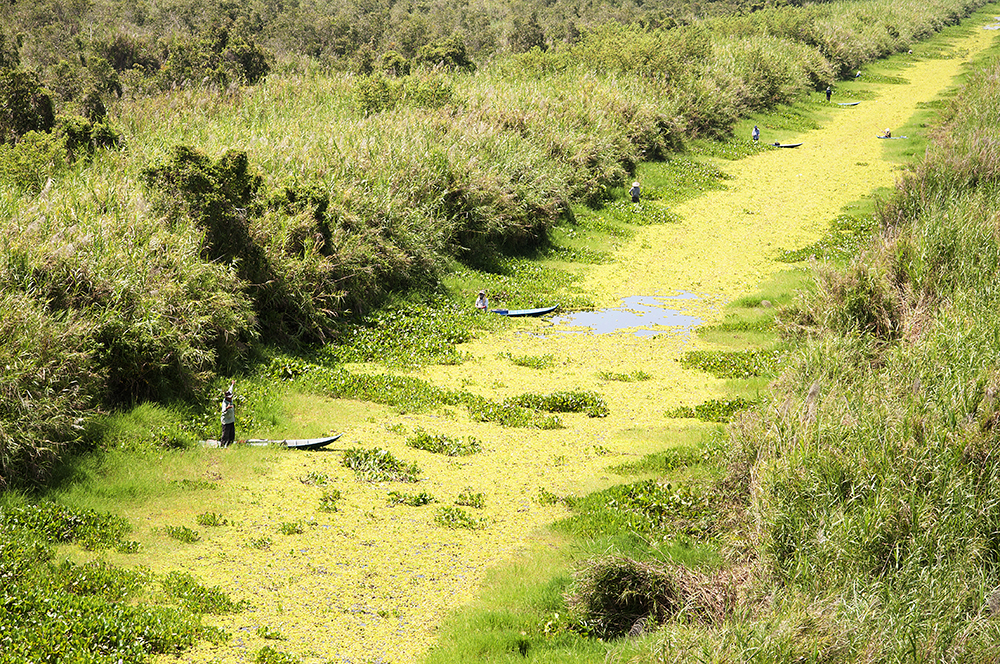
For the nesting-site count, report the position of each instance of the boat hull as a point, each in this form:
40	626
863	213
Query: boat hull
524	312
292	443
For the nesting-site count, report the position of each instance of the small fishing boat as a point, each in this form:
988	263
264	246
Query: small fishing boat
848	103
787	145
891	138
292	444
525	312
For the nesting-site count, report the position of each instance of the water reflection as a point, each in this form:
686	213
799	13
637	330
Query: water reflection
637	313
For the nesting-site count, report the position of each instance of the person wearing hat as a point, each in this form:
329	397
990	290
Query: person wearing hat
481	302
228	417
634	191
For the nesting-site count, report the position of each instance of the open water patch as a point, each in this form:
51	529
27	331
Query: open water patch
641	315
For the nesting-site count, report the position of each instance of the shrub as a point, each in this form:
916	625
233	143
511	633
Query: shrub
394	64
617	596
31	162
448	52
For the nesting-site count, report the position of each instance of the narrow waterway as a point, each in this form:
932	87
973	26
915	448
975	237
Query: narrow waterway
372	583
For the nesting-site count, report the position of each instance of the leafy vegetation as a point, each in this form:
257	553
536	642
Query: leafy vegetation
470	498
105	614
377	465
590	403
714	410
328	501
454	517
413	500
441	444
630	377
531	361
185	589
182	534
733	364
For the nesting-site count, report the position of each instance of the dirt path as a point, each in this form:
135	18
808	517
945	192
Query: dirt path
371	583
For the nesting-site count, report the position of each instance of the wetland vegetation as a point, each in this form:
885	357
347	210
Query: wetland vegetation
311	209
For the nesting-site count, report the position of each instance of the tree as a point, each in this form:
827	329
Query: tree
24	105
526	34
448	52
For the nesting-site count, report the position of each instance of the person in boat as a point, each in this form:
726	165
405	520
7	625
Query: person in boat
887	134
481	302
228	417
634	192
828	93
755	134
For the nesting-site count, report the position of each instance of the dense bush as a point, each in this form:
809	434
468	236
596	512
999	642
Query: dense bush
26	106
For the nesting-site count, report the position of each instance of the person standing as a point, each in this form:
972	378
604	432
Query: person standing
481	302
828	93
755	134
634	192
228	417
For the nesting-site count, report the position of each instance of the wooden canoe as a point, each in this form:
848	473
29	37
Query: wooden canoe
525	312
292	444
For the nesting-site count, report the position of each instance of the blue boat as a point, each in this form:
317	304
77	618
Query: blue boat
525	312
